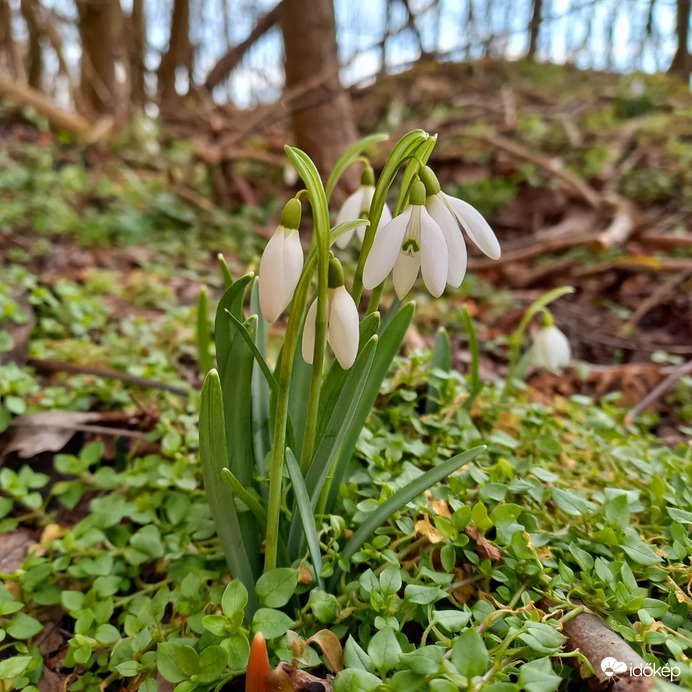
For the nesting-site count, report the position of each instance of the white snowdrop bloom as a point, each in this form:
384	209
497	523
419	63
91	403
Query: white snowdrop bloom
410	243
467	217
281	264
551	349
357	205
343	332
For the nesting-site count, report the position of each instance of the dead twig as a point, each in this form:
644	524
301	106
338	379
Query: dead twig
60	366
553	166
659	295
592	637
659	391
621	227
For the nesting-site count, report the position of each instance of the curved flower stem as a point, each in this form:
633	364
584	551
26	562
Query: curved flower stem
318	201
419	157
295	321
517	336
403	150
320	213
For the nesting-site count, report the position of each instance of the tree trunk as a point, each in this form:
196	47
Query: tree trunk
323	121
682	64
97	29
136	49
35	55
7	43
535	28
179	53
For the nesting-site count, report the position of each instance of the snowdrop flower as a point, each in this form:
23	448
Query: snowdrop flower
358	204
342	321
281	264
411	242
551	349
466	217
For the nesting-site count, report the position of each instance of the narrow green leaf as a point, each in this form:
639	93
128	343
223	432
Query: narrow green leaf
203	333
334	382
252	502
236	386
225	271
214	457
336	429
261	402
404	496
304	509
390	342
232	300
441	360
475	384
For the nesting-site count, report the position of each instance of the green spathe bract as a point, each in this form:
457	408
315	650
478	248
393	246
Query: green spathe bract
298	425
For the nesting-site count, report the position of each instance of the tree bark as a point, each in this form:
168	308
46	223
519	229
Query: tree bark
98	24
535	28
7	43
35	55
136	50
179	53
235	54
682	62
323	121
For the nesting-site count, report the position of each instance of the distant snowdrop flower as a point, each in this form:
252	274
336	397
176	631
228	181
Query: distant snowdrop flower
358	204
343	331
467	217
410	243
551	349
281	264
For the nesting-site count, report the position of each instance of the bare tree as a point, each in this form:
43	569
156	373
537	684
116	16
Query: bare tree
136	50
535	28
179	53
98	27
323	122
682	64
8	46
35	54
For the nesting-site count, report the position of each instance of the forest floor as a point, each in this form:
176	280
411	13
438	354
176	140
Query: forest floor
107	551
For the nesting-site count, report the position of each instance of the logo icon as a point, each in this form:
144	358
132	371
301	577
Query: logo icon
611	666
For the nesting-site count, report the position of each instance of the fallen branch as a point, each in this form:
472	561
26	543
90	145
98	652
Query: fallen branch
659	391
591	636
59	366
24	95
233	57
552	166
621	227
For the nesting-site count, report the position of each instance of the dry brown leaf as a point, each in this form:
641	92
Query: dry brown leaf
14	547
425	528
305	575
441	508
484	547
331	648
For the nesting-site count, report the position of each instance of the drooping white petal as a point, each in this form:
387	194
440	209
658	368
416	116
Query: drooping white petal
551	349
475	226
434	254
308	346
349	211
280	268
343	333
384	220
405	273
456	246
385	250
